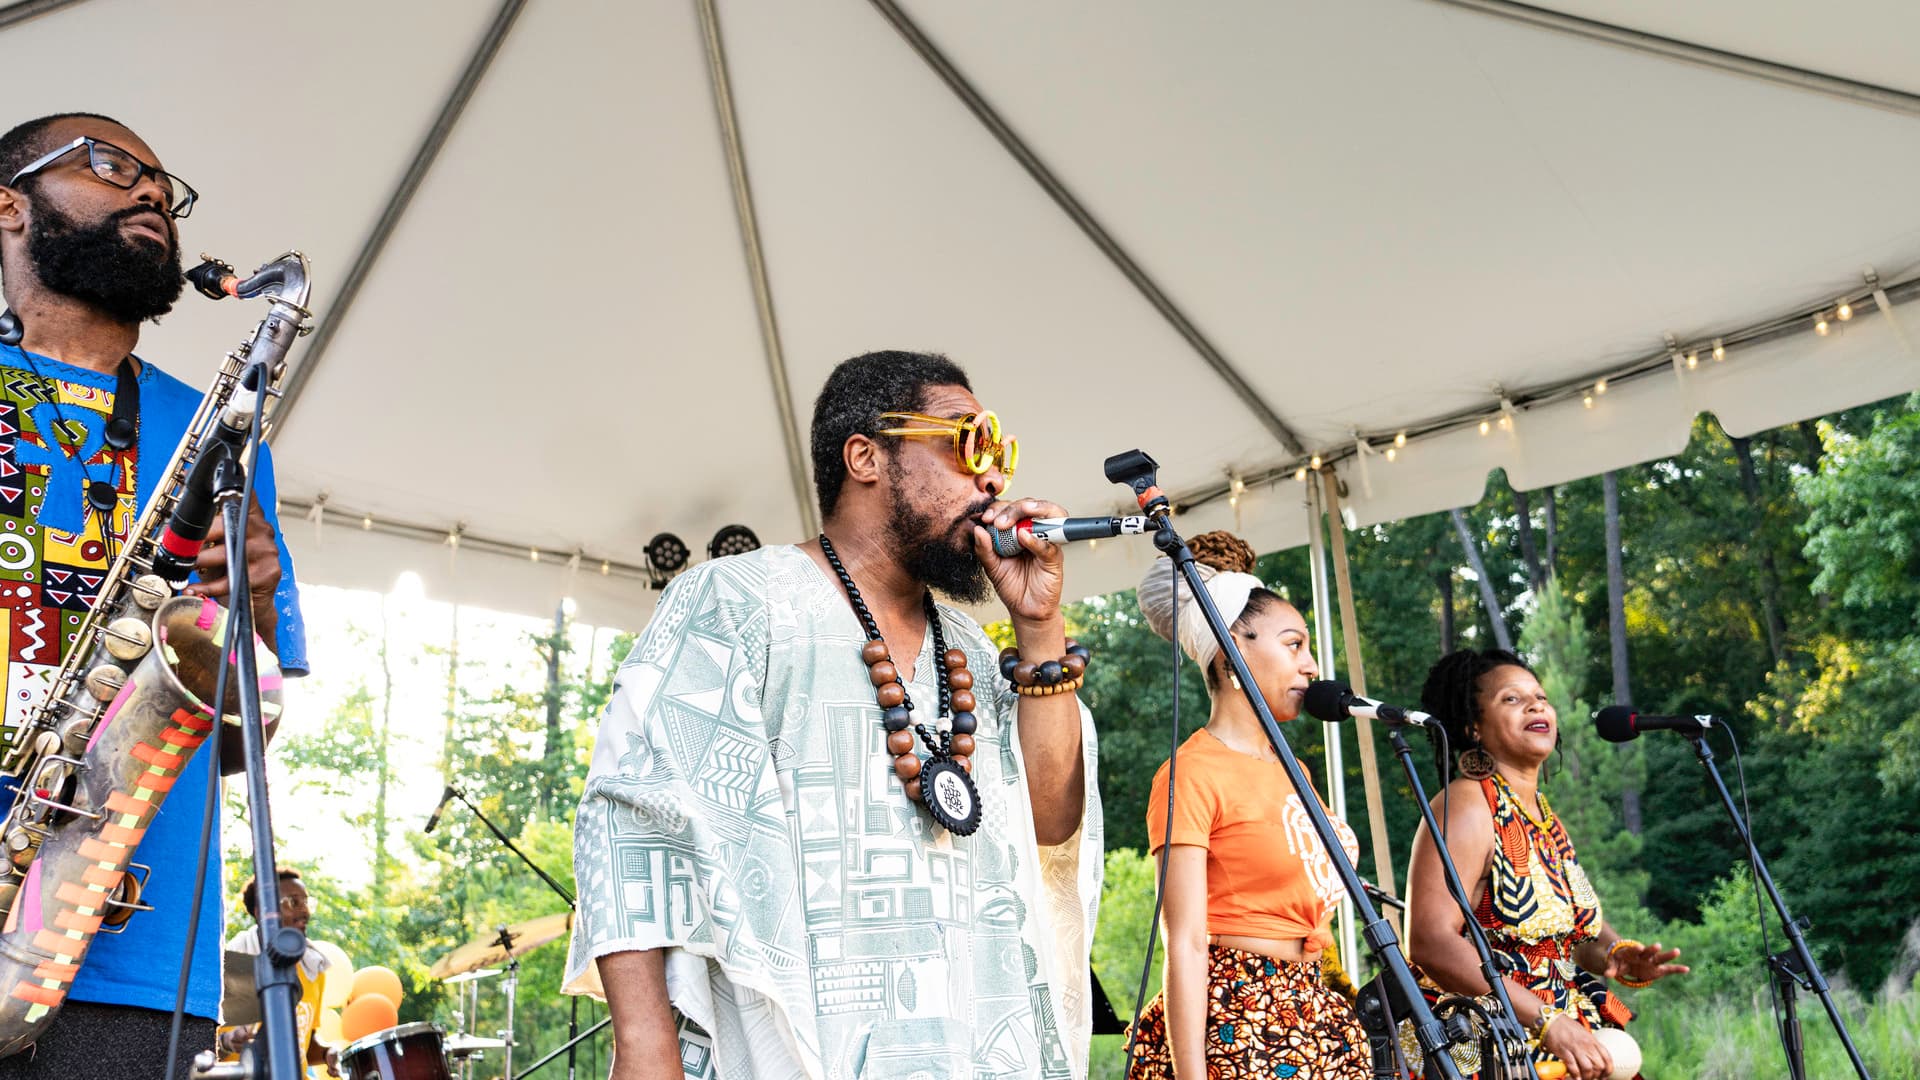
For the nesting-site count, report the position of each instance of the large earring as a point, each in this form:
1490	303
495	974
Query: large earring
11	332
1475	763
1234	679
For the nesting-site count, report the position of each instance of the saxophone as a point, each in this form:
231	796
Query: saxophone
92	763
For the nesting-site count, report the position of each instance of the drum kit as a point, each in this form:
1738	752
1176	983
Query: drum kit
426	1051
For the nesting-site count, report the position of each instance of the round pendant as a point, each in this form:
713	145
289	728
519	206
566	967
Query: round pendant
950	797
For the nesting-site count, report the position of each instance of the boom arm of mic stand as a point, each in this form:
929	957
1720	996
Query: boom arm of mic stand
1513	1042
1815	979
502	837
1376	930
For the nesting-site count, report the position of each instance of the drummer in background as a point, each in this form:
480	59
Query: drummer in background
295	913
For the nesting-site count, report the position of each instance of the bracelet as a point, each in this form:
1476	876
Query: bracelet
1048	691
1629	983
1548	1014
1027	675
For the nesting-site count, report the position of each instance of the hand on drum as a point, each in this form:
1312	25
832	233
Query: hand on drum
1570	1041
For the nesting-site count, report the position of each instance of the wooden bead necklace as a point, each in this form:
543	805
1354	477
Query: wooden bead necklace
943	783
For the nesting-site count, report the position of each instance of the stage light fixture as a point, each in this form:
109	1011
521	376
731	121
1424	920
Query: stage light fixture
666	555
732	540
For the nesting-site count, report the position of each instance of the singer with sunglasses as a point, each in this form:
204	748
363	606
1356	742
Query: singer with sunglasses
1530	895
89	252
830	829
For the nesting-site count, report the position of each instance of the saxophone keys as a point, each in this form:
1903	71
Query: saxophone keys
46	742
105	680
150	591
127	639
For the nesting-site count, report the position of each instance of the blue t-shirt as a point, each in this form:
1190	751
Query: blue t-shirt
52	557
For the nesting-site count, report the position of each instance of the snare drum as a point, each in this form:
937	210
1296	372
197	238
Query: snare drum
407	1052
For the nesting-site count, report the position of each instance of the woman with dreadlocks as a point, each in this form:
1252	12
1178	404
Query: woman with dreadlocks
1530	896
1249	887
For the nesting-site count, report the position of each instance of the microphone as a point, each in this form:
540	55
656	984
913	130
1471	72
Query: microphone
1619	723
433	820
1057	531
1334	701
186	529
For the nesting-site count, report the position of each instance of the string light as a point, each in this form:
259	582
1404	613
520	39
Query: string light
1719	351
1314	463
1485	427
1599	386
605	568
1400	439
1506	422
1845	312
1239	484
1393	451
1300	474
366	523
1693	359
1820	324
1587	400
1233	500
534	554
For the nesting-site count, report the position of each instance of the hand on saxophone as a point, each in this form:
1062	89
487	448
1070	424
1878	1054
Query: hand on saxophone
263	570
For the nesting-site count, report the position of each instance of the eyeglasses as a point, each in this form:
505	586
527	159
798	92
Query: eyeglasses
976	439
294	903
110	164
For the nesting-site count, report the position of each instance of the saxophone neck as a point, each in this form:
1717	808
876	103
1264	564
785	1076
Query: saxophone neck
283	280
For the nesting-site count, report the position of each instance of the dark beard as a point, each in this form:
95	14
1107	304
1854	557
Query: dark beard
129	281
943	562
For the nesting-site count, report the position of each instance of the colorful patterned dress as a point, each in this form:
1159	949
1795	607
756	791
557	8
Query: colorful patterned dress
1537	909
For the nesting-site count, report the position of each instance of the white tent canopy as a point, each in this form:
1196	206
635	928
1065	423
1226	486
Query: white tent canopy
1233	234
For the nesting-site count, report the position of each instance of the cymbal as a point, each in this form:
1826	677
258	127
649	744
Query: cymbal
242	1001
503	944
470	976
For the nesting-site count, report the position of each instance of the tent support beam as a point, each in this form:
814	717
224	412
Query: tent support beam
1357	677
757	265
17	13
329	323
1102	239
1818	82
1334	785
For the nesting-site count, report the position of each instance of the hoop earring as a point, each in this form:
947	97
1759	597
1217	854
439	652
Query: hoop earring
1475	763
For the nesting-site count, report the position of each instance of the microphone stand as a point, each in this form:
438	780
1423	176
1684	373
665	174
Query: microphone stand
1136	469
1795	966
281	947
574	1035
1514	1058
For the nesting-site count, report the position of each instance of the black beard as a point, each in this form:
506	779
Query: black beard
942	562
129	281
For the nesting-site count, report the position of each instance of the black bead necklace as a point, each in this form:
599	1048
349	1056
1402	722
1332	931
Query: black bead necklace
942	783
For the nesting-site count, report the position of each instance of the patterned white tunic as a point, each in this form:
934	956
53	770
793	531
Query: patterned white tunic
742	813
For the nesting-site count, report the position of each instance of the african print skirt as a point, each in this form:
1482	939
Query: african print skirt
1265	1019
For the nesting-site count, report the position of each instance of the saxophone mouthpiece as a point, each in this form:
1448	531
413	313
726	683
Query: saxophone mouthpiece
213	279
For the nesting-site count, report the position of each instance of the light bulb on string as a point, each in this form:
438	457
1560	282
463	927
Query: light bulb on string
1400	439
1719	351
1599	386
1300	474
1820	324
1587	400
1506	422
605	568
1485	427
366	523
1693	359
1845	311
533	554
1314	463
1393	452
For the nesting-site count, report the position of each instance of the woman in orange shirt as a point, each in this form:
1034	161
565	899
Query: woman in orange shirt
1250	890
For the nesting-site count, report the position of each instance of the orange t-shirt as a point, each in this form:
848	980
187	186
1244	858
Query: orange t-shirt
1268	875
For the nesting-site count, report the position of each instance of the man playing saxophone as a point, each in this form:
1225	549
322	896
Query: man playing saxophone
89	251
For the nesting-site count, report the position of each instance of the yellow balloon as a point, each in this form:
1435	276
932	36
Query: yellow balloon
330	1033
366	1014
374	979
339	984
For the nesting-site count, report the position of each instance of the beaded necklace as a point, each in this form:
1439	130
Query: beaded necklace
942	783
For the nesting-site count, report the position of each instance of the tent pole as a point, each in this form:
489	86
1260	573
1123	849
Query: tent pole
1334	780
757	265
1356	667
17	13
329	321
1075	209
1818	82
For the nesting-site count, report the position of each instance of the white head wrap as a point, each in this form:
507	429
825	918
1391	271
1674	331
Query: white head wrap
1229	590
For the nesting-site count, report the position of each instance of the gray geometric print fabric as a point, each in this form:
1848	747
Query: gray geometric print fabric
742	812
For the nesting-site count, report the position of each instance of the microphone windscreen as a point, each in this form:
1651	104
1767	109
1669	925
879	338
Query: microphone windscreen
1006	542
1615	724
1326	699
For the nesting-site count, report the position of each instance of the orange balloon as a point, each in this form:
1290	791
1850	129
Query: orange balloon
366	1014
375	979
